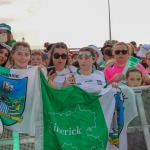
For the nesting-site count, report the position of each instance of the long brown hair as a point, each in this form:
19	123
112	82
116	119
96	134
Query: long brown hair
2	47
58	45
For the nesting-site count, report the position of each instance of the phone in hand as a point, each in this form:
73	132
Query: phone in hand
51	68
3	38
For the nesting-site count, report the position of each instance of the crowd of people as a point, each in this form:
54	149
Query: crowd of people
91	68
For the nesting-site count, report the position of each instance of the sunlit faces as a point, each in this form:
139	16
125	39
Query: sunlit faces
3	56
21	57
134	79
36	60
121	53
60	57
85	60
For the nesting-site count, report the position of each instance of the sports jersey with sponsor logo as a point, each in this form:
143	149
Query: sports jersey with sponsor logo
59	80
92	83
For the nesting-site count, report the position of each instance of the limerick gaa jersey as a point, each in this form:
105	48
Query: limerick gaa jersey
92	83
60	78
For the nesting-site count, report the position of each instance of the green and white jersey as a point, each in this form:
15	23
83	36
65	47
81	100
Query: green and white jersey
60	78
92	83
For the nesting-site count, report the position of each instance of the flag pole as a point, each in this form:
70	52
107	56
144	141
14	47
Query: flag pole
109	21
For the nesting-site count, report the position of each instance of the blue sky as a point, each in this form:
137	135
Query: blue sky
76	22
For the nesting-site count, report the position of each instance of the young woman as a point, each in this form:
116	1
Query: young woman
60	60
4	55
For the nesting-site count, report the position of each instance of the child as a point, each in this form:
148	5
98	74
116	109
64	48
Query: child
21	55
86	77
37	58
134	77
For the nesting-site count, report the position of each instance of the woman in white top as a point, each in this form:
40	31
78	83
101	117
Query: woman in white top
60	60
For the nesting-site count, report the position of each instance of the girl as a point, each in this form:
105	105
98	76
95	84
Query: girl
4	55
60	60
21	55
134	77
86	76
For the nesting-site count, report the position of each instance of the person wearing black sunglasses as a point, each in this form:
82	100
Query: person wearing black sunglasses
121	54
60	60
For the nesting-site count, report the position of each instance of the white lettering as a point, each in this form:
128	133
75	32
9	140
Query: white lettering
70	131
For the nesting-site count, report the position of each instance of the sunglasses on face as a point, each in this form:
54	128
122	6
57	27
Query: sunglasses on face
124	52
57	55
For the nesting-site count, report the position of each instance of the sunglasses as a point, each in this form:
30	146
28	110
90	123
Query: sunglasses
63	56
124	52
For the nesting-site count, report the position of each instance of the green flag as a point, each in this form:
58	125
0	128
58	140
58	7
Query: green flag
73	119
132	62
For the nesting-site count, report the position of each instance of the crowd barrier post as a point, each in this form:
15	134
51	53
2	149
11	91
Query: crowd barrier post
16	143
141	111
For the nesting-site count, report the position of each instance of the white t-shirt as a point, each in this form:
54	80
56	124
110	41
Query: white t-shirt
59	80
92	83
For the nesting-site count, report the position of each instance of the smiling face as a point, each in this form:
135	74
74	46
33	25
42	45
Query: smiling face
3	56
21	57
85	60
134	79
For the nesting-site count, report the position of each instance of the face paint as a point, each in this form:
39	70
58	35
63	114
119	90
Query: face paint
86	56
21	49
